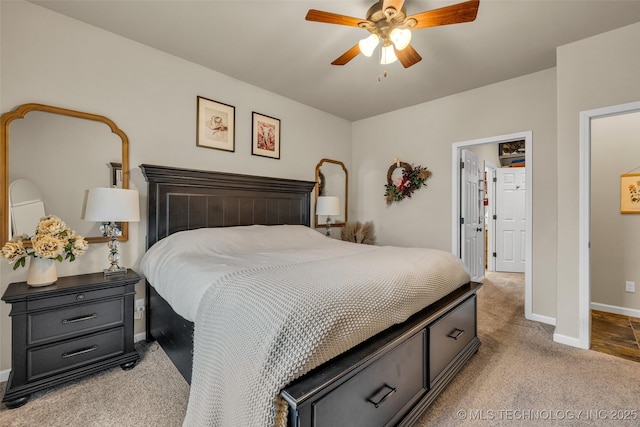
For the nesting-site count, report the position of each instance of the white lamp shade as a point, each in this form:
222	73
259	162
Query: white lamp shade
368	45
401	37
328	205
388	56
112	204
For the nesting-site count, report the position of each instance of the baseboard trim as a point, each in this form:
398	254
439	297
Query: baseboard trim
140	337
543	319
567	340
4	375
615	309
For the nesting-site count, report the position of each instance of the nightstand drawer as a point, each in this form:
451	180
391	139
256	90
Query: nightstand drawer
49	360
81	318
36	304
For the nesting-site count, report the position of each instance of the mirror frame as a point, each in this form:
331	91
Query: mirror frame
346	192
19	113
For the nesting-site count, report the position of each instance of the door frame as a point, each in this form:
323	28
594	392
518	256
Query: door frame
491	225
584	263
455	203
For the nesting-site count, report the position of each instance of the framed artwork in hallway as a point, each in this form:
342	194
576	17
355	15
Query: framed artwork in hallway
630	193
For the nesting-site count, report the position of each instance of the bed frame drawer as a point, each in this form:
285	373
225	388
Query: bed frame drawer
376	395
339	393
449	335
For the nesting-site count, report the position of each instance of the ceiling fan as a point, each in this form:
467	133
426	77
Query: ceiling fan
389	25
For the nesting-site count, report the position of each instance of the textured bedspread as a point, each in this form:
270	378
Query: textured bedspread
258	329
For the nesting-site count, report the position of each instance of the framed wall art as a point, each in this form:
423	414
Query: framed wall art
266	136
216	125
630	193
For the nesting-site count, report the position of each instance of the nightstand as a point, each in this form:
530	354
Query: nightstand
77	326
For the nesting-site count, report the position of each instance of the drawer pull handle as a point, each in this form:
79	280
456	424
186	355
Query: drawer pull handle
79	352
79	319
455	334
377	400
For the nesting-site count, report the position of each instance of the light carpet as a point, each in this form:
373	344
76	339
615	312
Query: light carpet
518	377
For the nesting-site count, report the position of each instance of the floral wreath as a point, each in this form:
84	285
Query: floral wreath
412	179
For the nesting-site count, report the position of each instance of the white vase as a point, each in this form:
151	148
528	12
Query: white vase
42	272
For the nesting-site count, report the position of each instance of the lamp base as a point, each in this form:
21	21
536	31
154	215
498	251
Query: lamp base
328	225
112	231
110	271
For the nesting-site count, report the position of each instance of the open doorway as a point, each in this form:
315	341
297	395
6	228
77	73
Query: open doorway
592	243
457	234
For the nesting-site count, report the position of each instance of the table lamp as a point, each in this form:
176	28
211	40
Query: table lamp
328	205
108	206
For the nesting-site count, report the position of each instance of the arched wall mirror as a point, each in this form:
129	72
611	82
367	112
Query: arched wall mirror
62	153
332	179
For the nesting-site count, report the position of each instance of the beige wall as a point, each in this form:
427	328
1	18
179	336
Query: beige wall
615	238
593	73
486	153
424	134
52	59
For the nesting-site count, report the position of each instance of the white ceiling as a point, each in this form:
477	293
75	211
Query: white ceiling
269	44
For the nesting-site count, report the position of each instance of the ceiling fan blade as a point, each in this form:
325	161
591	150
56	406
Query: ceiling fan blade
454	14
332	18
396	4
347	56
407	56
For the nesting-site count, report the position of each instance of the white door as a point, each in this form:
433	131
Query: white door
472	209
490	213
510	219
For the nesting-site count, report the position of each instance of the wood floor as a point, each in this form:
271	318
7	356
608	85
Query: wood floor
615	334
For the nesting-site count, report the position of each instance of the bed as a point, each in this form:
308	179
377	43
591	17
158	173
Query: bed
325	357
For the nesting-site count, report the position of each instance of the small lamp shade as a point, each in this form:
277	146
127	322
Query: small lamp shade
388	56
368	45
400	37
328	205
112	205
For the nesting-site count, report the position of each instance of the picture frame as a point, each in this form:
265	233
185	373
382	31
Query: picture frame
630	193
216	125
265	136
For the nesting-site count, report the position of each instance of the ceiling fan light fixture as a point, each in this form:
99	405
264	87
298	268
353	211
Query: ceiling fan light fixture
387	55
388	20
400	37
368	45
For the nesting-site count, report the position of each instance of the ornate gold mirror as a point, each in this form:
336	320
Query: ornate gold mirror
62	153
332	179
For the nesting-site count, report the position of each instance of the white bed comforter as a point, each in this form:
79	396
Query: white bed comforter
271	310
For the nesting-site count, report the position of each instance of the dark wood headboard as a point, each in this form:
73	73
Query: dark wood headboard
185	199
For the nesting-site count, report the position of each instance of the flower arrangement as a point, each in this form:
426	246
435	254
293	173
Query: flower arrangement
412	179
52	240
